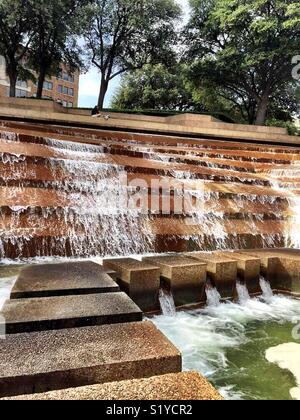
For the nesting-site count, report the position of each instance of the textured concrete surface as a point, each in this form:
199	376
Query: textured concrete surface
286	277
39	314
185	277
74	278
269	265
140	280
219	131
248	269
178	386
222	271
51	360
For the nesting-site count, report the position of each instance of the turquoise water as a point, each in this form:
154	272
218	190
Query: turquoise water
227	344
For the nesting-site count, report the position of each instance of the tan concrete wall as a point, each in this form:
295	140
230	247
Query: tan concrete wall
125	122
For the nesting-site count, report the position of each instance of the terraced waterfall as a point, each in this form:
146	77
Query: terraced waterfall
191	233
76	192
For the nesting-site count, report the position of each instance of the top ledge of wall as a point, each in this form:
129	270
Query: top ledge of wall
186	124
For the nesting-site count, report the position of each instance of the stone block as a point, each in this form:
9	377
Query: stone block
69	358
140	280
185	277
222	271
181	386
39	314
74	278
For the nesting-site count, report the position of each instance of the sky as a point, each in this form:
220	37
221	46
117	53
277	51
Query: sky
89	85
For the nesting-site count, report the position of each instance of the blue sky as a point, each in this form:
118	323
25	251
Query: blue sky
90	82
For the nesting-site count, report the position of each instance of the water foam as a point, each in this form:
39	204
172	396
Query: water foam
204	336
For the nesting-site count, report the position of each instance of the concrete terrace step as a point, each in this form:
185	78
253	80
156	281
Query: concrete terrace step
287	270
269	264
140	280
27	202
186	278
52	360
248	269
48	313
161	143
164	226
223	131
221	271
184	155
27	243
75	278
174	386
129	163
92	135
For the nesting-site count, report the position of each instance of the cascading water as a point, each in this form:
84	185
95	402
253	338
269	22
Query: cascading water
292	227
92	218
212	295
266	288
227	343
242	291
236	208
167	303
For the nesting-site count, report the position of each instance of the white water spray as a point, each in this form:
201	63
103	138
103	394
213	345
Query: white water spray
266	288
213	296
167	303
242	291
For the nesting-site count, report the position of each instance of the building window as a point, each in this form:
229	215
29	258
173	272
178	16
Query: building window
63	75
60	89
71	91
22	84
70	104
66	91
65	103
21	93
48	85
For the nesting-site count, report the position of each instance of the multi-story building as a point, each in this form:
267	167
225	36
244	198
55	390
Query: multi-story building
63	89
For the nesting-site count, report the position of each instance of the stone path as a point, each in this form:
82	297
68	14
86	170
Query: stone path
57	359
174	386
62	280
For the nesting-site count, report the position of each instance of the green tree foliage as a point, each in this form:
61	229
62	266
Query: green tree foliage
16	33
242	50
155	87
123	35
56	24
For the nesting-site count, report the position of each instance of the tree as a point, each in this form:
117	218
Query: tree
56	26
244	49
283	103
155	87
15	37
123	35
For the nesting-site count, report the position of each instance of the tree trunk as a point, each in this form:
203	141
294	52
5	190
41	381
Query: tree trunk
13	77
102	94
261	114
40	84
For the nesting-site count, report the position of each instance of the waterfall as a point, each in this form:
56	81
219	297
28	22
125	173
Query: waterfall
242	291
266	288
292	229
213	296
87	212
167	303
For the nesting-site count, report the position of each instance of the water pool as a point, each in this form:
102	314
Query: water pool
227	344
